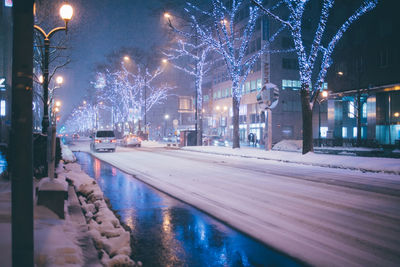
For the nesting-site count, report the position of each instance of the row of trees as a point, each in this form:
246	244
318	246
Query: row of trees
219	32
217	29
128	88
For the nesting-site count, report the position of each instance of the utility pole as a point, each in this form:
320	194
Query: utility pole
265	79
145	102
21	164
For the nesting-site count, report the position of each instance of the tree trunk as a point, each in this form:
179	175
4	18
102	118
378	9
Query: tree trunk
200	131
359	114
307	120
235	108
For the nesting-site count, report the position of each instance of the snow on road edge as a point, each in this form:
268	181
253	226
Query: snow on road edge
104	227
365	164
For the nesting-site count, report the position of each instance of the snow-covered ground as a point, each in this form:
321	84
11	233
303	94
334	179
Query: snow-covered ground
372	164
324	216
104	228
68	242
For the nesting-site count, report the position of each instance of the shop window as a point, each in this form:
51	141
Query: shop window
351	113
253	86
324	131
364	110
344	132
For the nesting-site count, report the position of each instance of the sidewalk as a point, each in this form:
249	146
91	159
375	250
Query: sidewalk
365	164
70	241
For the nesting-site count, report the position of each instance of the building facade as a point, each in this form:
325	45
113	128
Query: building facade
280	69
366	77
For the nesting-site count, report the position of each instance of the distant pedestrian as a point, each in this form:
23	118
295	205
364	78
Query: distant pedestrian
249	137
252	139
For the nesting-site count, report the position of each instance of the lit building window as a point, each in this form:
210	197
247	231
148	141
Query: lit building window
291	84
344	132
2	108
354	132
8	3
259	84
324	132
247	84
351	110
364	110
253	85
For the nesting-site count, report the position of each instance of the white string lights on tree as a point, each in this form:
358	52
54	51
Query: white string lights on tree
307	60
218	28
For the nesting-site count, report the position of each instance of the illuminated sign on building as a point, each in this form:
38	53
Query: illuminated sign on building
2	108
8	3
2	84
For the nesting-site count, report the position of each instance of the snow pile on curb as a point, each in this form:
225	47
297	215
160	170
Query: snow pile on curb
55	239
67	154
105	229
289	145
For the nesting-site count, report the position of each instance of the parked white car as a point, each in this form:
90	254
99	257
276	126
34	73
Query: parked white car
131	140
103	140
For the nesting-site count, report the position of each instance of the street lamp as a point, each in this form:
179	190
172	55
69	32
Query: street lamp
52	148
59	80
198	118
66	13
324	96
166	118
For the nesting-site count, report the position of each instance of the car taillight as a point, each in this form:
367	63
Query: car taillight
97	141
113	141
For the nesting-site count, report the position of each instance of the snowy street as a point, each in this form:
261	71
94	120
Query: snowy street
323	216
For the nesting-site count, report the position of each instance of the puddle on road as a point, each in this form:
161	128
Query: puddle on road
168	232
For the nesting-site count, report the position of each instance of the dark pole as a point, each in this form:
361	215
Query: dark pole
319	123
145	102
196	96
21	135
45	121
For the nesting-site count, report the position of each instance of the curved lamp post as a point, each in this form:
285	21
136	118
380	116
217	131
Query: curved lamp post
66	13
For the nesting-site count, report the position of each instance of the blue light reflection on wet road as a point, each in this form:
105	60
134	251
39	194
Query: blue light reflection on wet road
167	232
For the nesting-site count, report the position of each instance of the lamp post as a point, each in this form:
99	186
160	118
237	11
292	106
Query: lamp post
324	96
66	13
52	132
166	118
198	118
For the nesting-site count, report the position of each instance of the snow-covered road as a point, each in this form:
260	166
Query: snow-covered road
320	215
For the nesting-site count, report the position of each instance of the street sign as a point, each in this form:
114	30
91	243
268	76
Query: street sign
268	97
2	84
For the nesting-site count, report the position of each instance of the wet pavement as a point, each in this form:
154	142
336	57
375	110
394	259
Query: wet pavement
168	232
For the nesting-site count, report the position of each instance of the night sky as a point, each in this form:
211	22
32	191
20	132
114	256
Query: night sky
97	29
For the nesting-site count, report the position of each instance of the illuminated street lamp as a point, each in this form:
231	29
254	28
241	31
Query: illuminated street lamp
59	80
167	15
166	118
324	96
66	13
